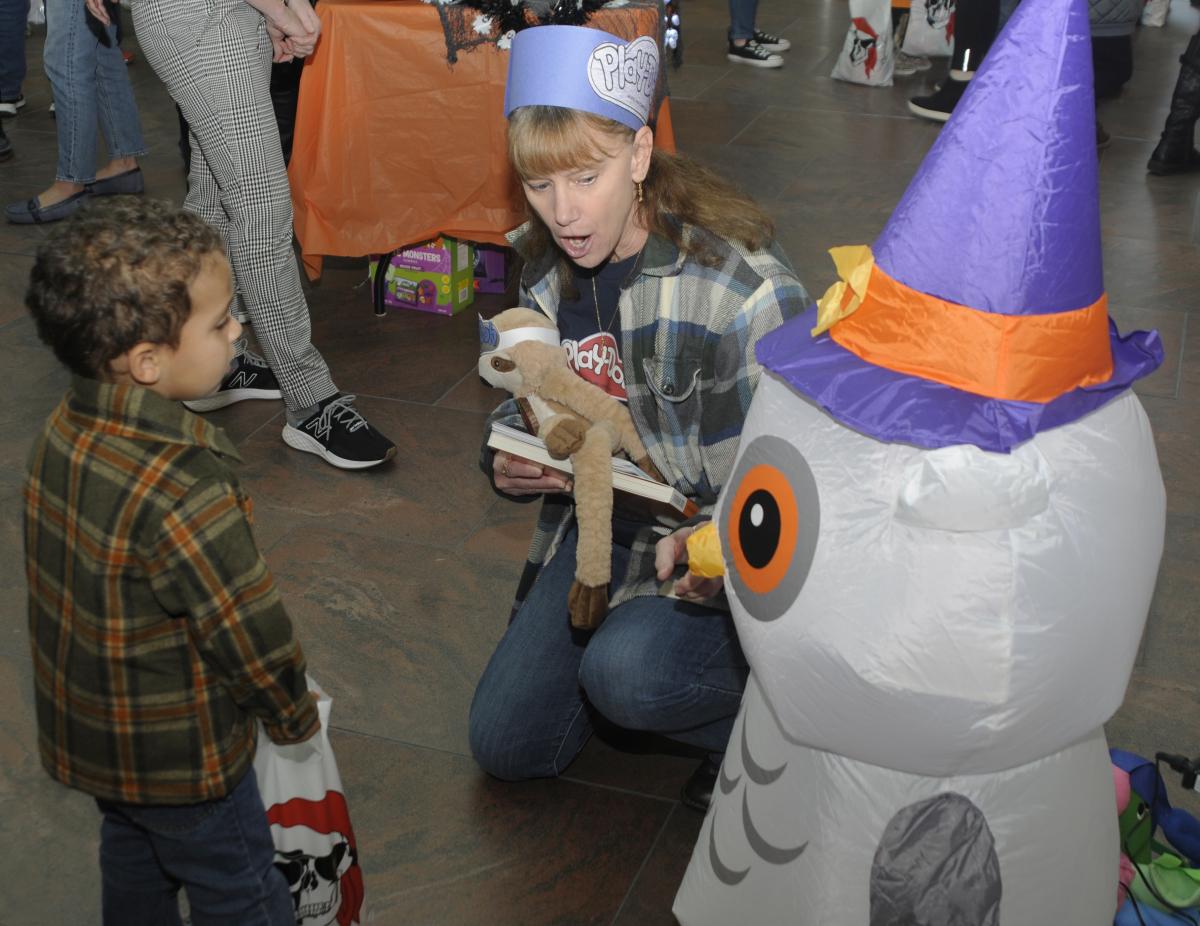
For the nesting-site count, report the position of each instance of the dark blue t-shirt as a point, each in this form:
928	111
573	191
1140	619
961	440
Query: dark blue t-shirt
591	329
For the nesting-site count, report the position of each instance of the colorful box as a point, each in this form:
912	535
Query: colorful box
434	277
489	269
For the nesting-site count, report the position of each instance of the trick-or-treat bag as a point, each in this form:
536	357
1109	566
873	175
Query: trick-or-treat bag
930	28
867	55
315	846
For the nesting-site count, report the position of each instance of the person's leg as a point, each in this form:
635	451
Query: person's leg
219	74
746	44
69	56
222	853
135	891
1176	151
741	20
118	113
975	25
12	54
218	71
665	666
528	718
285	97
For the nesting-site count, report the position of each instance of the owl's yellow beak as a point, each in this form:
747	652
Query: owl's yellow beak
704	552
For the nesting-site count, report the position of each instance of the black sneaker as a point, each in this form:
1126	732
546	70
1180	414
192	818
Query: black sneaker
10	107
340	435
250	378
938	106
698	789
754	55
771	42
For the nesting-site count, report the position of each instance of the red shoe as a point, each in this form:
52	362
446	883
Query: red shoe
128	56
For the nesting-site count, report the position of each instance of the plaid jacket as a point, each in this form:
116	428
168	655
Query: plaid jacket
157	632
687	342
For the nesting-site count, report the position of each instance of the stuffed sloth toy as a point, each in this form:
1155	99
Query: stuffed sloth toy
577	420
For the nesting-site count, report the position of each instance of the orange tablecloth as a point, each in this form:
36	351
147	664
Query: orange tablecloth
394	145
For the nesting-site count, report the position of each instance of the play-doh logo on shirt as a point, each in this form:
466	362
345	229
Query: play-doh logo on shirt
597	359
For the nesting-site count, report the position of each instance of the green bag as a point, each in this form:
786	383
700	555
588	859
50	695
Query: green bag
1166	878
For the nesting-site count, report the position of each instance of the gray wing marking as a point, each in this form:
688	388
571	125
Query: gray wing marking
756	773
763	849
724	874
727	784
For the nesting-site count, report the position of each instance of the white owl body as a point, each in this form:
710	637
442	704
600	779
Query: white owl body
927	622
1031	840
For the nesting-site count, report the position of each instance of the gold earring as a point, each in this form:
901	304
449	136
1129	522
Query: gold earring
639	190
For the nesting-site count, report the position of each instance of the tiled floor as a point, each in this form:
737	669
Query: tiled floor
399	579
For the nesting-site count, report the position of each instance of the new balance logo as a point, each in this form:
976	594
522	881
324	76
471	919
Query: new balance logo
241	380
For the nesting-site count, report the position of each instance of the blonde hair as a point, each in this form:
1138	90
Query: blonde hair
544	140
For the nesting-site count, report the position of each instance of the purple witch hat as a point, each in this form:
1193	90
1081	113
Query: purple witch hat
979	315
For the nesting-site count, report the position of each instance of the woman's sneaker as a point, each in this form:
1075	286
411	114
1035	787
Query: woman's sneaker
339	435
250	378
939	105
771	42
754	55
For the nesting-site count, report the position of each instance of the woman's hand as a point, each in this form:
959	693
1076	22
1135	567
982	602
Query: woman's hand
280	52
296	23
672	551
98	9
517	476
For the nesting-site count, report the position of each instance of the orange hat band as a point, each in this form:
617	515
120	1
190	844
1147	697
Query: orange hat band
1023	358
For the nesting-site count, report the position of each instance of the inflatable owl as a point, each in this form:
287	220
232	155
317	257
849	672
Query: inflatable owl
940	543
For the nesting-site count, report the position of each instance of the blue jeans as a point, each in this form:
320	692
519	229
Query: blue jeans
220	851
655	664
741	19
12	47
91	85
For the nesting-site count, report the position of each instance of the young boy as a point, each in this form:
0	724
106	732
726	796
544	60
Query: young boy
158	635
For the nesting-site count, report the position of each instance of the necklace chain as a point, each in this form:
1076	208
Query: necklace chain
616	311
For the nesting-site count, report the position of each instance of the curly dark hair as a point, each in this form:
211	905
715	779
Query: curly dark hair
115	275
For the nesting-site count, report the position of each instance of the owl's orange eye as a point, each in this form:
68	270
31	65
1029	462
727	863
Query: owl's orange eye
763	524
769	526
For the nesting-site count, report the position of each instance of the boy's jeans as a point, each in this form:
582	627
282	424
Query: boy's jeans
220	851
91	84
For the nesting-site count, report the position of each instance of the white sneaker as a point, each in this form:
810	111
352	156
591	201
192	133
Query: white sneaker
10	107
906	65
754	55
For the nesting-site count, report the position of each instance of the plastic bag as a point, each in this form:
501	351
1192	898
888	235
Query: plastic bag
930	28
868	53
315	846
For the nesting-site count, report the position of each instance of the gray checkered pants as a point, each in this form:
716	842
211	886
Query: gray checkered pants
215	58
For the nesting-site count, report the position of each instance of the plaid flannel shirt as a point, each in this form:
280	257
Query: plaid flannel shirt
687	335
157	632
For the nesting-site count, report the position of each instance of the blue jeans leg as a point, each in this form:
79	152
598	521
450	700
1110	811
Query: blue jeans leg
91	88
741	19
656	664
669	667
528	717
219	851
12	47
